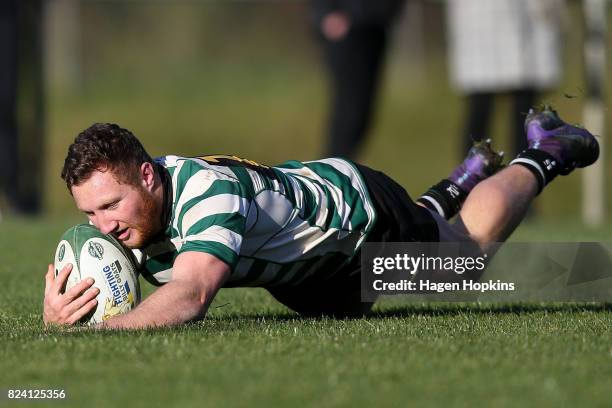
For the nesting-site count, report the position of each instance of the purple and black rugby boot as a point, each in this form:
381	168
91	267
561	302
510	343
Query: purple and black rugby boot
446	197
481	162
570	146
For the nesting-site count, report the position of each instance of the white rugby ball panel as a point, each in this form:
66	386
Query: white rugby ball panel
113	275
64	255
102	258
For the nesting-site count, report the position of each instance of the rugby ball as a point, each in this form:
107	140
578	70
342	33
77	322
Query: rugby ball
101	257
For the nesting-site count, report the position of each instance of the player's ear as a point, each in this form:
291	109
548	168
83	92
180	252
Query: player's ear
147	175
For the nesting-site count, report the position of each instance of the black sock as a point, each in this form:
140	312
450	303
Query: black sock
543	166
445	198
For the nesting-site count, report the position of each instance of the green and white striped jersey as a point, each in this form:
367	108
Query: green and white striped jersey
273	225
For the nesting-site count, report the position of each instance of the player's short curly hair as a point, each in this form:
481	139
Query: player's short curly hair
103	147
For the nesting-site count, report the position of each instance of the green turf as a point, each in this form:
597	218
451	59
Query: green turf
198	77
253	351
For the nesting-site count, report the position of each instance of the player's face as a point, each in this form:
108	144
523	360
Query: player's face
128	212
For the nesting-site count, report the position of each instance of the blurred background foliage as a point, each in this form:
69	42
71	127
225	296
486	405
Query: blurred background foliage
246	78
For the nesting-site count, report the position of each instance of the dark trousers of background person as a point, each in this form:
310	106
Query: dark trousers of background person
21	105
354	65
480	108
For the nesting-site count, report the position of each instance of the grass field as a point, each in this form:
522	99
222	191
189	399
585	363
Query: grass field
213	78
251	351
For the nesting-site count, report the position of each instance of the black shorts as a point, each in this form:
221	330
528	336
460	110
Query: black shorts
398	219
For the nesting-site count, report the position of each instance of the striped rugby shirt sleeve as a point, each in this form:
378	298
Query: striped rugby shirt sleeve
210	212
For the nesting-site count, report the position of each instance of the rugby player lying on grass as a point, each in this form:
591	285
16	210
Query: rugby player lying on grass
199	224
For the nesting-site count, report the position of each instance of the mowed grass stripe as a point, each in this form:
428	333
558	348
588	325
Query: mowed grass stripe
253	351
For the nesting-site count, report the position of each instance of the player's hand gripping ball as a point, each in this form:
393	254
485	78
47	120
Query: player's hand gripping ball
101	257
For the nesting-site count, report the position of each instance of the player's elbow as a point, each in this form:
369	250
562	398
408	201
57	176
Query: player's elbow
200	306
198	300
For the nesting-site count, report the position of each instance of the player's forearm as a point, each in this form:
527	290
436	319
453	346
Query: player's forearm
174	303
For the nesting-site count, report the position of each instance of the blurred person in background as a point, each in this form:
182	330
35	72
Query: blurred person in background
21	105
503	47
354	35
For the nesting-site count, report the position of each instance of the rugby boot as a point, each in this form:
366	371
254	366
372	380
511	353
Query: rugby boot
481	162
571	146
